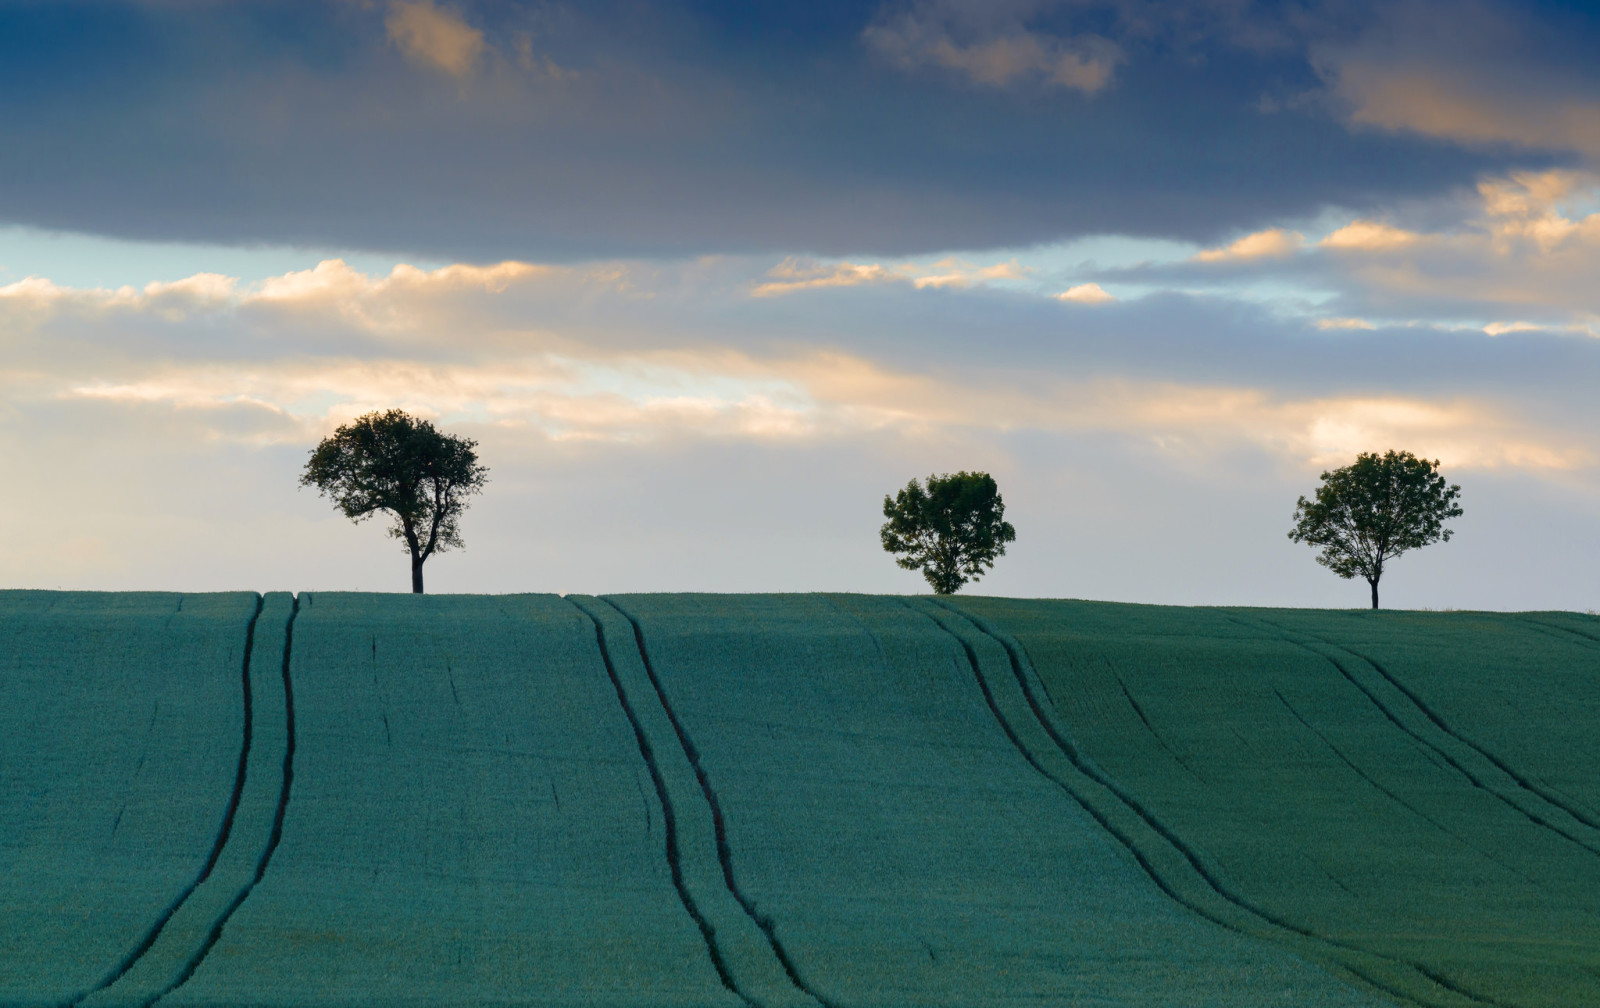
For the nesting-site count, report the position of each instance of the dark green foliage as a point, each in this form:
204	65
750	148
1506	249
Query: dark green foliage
1373	510
952	531
394	462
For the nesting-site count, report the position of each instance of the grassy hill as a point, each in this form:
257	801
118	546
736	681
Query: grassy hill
833	800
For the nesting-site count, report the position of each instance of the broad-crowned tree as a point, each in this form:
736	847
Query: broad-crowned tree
395	463
952	530
1373	510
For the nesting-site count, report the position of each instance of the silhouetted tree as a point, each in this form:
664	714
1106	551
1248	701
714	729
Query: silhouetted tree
952	531
1373	510
394	462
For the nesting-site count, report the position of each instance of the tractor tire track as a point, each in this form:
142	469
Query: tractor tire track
1541	819
1521	780
168	963
669	816
223	832
1530	618
278	815
1430	820
1260	923
761	920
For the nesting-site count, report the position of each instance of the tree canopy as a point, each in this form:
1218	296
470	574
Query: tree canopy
394	462
952	530
1374	510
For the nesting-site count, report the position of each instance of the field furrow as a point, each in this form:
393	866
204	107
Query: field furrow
470	823
1182	870
120	748
740	949
182	938
1480	767
902	846
798	801
1320	793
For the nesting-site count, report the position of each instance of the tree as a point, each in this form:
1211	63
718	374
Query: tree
394	462
1373	510
952	531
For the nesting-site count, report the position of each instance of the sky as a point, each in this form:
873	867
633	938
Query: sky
706	280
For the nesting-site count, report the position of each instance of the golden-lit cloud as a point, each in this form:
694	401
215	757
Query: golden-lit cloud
1367	236
795	274
434	36
427	328
1085	293
1274	243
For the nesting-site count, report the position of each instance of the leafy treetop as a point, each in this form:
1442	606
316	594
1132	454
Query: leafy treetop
393	462
1374	510
952	531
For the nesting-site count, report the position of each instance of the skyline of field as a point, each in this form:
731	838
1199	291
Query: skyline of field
706	283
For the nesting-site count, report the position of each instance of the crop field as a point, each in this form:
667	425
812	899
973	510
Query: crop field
819	800
1411	792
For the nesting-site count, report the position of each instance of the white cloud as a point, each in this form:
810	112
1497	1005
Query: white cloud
433	36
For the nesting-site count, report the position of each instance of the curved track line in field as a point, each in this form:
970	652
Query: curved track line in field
149	939
1521	781
1430	820
1590	818
1530	618
724	852
1086	767
669	817
277	818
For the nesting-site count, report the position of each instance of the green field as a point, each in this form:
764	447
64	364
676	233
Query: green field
836	800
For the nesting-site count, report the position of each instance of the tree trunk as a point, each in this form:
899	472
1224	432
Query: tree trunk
416	576
1371	581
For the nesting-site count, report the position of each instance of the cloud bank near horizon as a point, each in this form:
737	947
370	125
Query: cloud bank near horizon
601	390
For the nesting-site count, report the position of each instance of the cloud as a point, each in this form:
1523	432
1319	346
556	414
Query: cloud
1085	293
627	130
1471	73
1367	236
1272	243
795	274
658	414
627	353
1520	247
433	36
993	56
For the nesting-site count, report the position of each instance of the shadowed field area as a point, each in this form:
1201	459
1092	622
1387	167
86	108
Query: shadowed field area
837	800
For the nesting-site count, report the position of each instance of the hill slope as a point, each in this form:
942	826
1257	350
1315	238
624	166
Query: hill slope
792	800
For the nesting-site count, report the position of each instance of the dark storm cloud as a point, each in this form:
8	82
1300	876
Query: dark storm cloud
646	129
